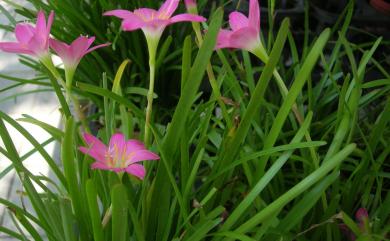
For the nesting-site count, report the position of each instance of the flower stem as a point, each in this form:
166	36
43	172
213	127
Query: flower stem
152	47
48	63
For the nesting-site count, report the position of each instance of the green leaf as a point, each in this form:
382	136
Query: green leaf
94	210
119	213
278	204
292	95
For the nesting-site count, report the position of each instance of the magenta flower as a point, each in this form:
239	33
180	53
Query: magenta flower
153	22
119	156
31	40
245	33
72	54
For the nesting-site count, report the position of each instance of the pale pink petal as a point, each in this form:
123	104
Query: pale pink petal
186	17
142	155
168	8
238	20
223	39
136	170
24	32
11	47
120	13
134	145
245	38
254	14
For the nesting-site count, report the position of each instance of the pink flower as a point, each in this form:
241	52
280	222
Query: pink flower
31	40
72	54
119	156
245	33
153	22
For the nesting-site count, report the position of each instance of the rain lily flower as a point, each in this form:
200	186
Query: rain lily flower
121	155
31	40
244	33
151	21
72	54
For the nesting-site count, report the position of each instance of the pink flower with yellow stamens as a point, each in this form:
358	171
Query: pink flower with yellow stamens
151	21
119	156
31	40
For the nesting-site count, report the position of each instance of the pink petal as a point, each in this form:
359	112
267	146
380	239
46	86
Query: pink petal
96	154
136	170
93	141
223	39
11	47
245	38
254	14
186	17
95	149
49	22
97	47
156	26
168	8
238	20
146	14
142	155
61	48
117	143
40	25
120	13
79	47
133	24
134	145
24	32
100	165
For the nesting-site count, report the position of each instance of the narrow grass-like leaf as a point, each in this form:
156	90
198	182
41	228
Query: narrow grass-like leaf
261	184
293	93
302	186
37	145
94	210
119	213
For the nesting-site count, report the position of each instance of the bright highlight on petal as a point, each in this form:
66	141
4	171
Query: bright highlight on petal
31	40
73	53
120	155
245	33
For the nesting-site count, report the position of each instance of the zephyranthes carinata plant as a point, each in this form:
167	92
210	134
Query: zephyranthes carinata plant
268	138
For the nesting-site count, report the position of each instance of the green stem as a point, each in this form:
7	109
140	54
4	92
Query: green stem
152	47
48	63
